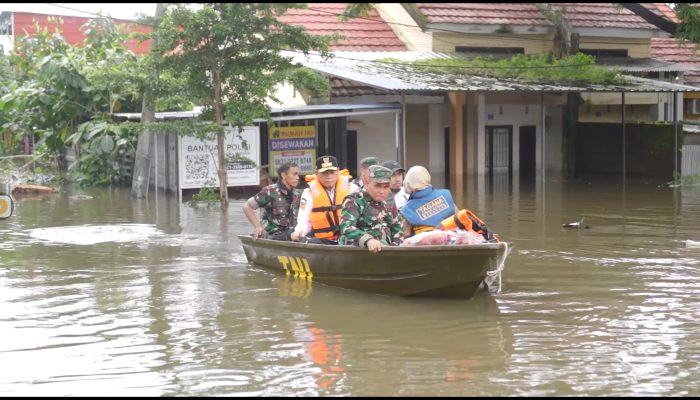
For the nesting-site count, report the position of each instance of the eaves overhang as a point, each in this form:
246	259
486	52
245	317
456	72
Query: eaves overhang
401	77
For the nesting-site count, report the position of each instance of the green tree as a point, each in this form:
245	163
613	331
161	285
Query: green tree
50	93
230	55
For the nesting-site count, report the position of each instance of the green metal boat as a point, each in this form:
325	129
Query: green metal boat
432	271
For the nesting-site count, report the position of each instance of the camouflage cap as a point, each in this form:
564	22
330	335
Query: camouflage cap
379	174
369	161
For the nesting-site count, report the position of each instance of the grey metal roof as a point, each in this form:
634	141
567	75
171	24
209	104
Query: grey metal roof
402	77
644	65
337	107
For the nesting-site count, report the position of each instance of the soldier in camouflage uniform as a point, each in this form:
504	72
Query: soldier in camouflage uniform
280	202
366	220
396	185
365	163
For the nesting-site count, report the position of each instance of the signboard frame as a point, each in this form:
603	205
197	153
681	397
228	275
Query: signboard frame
292	144
198	160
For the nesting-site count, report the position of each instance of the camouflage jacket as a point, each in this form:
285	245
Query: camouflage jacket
358	181
390	202
280	207
363	219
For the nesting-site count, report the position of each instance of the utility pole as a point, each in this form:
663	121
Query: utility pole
142	163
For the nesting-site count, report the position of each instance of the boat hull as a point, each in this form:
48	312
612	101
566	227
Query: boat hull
432	271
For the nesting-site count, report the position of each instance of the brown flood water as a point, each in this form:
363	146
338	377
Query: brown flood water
113	296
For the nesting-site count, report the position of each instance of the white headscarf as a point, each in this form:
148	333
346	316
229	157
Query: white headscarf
417	178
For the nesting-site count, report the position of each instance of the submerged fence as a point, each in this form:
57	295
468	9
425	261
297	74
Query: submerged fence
690	163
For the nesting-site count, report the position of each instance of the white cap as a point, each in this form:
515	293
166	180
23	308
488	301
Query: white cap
417	178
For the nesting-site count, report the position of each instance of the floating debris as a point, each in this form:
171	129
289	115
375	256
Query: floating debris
80	197
22	189
576	225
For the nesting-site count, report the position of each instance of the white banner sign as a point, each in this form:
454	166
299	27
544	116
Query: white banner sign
199	159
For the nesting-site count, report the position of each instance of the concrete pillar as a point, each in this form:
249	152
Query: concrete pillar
456	101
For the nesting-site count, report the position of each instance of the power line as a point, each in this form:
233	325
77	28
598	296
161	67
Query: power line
103	16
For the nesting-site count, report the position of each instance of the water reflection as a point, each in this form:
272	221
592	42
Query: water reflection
116	295
368	344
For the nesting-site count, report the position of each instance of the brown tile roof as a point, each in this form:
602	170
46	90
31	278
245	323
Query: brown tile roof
579	15
346	88
662	9
369	33
670	50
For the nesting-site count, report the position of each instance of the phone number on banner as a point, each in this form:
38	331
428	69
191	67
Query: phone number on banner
304	161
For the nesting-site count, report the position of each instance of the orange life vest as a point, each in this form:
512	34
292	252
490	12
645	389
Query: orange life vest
343	172
325	215
467	221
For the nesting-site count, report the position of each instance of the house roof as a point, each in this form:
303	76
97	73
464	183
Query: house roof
369	69
369	33
71	28
663	10
627	64
345	88
578	15
670	49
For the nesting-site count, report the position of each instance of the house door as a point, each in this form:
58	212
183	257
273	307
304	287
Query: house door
528	142
351	147
499	149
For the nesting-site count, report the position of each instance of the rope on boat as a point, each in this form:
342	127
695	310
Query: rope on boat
495	274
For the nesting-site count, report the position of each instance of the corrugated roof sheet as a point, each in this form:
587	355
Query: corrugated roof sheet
645	65
670	49
578	15
400	77
369	33
313	111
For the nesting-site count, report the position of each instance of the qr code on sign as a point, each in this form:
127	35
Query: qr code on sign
197	166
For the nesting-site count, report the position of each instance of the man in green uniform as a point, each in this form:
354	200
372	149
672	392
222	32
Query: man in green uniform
397	197
280	202
365	163
367	221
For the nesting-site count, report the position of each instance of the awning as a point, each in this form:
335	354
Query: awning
288	113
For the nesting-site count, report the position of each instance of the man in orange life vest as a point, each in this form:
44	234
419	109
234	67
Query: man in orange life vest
321	202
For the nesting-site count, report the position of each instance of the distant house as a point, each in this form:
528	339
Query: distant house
370	33
353	133
15	24
495	126
670	49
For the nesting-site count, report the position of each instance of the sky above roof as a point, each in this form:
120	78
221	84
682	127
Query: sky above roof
115	10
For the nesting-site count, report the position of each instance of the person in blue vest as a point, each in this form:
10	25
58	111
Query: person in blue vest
426	206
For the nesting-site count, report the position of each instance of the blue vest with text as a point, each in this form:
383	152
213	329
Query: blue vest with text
428	207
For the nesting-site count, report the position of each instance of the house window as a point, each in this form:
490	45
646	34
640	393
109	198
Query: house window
489	50
693	107
605	52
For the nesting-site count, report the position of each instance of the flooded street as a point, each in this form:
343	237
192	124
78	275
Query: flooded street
112	296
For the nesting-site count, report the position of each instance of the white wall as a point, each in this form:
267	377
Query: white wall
439	119
514	115
405	27
375	136
554	159
288	97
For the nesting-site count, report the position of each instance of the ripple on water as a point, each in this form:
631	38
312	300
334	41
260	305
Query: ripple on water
92	234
